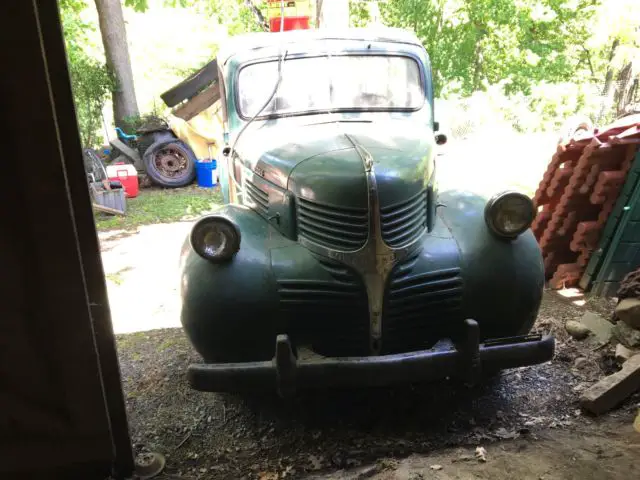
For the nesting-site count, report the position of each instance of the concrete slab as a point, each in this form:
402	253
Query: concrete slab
612	390
601	328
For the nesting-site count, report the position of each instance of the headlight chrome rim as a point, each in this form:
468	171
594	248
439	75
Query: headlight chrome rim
492	209
215	238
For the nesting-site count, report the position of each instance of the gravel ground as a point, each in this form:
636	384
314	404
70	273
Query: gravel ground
221	436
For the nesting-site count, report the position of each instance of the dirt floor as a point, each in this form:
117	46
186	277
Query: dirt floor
528	420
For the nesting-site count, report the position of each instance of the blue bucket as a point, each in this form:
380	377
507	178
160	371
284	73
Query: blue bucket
206	173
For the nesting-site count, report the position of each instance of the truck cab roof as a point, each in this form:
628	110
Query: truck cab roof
269	40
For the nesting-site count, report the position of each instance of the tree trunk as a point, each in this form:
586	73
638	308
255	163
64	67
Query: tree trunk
608	90
114	39
477	65
264	24
318	12
626	92
333	13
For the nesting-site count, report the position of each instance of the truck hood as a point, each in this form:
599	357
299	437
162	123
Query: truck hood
319	162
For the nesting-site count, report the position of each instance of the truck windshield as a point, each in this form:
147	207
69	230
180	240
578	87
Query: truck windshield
331	83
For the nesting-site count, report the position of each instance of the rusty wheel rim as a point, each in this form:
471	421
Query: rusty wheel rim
149	465
171	161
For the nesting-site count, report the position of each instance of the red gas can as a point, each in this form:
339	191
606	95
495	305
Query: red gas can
127	175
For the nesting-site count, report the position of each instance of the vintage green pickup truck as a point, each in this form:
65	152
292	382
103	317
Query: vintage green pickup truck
334	238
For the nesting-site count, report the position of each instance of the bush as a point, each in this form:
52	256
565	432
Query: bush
91	84
545	110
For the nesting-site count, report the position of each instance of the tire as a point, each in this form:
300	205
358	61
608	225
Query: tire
146	140
170	163
192	85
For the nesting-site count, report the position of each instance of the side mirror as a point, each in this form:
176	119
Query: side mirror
441	138
226	151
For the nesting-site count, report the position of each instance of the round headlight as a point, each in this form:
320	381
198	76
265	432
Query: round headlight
215	239
509	214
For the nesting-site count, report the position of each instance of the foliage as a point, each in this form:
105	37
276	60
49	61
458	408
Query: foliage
143	5
544	109
240	16
156	205
90	79
539	60
358	13
148	121
476	43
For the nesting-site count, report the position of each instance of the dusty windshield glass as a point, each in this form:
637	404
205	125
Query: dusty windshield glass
353	82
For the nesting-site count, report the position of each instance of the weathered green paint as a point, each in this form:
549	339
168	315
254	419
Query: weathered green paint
504	280
237	303
618	251
233	312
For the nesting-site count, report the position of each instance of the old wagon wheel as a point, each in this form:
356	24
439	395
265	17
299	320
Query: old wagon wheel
170	163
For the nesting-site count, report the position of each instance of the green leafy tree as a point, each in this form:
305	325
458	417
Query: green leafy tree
614	46
240	16
476	43
90	80
358	13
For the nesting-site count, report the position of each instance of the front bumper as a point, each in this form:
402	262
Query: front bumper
467	360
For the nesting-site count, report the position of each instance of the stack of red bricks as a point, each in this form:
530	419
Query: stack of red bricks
577	194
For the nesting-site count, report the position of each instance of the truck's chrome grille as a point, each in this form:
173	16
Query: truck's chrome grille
420	308
258	198
339	228
403	222
331	315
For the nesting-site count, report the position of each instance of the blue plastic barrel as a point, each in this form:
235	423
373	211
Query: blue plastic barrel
206	173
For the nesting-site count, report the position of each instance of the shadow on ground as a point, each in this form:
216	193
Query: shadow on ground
208	435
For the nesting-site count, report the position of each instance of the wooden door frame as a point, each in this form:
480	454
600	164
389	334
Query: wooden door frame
39	125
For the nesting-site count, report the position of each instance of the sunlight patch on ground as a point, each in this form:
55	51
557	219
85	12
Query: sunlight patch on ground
574	295
141	270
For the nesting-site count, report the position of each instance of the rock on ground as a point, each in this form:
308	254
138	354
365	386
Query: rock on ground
612	390
628	336
630	285
628	310
623	353
601	328
577	330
